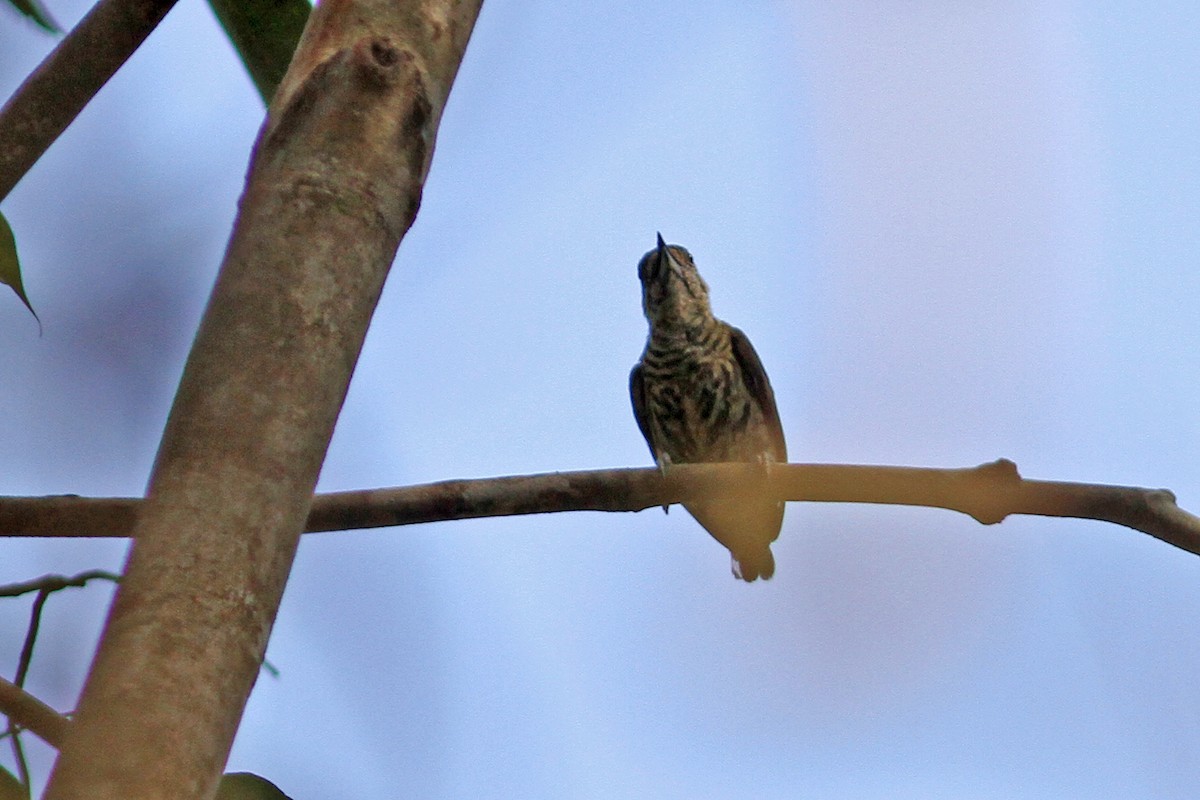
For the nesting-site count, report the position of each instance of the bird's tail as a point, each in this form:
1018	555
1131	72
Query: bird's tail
747	529
752	565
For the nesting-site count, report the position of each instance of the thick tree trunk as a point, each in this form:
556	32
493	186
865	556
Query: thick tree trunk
335	182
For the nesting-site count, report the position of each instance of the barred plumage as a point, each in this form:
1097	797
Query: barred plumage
700	394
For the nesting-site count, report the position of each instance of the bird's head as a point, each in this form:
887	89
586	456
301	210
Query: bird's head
672	290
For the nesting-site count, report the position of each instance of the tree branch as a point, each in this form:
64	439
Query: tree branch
988	493
53	583
32	714
54	93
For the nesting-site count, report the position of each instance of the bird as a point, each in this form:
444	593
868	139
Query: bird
700	394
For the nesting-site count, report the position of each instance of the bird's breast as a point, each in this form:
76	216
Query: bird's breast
699	404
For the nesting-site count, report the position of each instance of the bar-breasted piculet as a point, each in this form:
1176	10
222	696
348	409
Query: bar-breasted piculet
700	394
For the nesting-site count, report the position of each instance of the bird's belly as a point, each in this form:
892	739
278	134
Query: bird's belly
708	418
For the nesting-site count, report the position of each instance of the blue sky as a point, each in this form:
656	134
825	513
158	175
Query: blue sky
953	233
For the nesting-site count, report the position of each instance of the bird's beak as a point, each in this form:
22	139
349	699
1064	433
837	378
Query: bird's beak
655	266
664	255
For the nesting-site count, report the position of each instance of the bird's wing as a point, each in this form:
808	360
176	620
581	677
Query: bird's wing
637	392
760	388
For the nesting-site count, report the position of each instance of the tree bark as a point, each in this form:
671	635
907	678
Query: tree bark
335	181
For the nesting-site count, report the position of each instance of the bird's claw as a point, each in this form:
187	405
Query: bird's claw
663	463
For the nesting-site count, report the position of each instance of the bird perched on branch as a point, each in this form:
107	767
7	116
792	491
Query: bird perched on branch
700	394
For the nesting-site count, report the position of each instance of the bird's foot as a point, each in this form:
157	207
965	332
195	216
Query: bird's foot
663	463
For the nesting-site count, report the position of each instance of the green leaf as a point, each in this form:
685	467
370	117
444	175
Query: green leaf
10	787
10	267
38	13
247	786
265	33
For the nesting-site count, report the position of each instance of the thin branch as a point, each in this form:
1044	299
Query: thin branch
44	586
32	714
14	730
31	632
54	583
68	515
988	493
54	94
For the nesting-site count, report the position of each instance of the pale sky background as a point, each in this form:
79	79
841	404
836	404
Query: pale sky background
954	232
